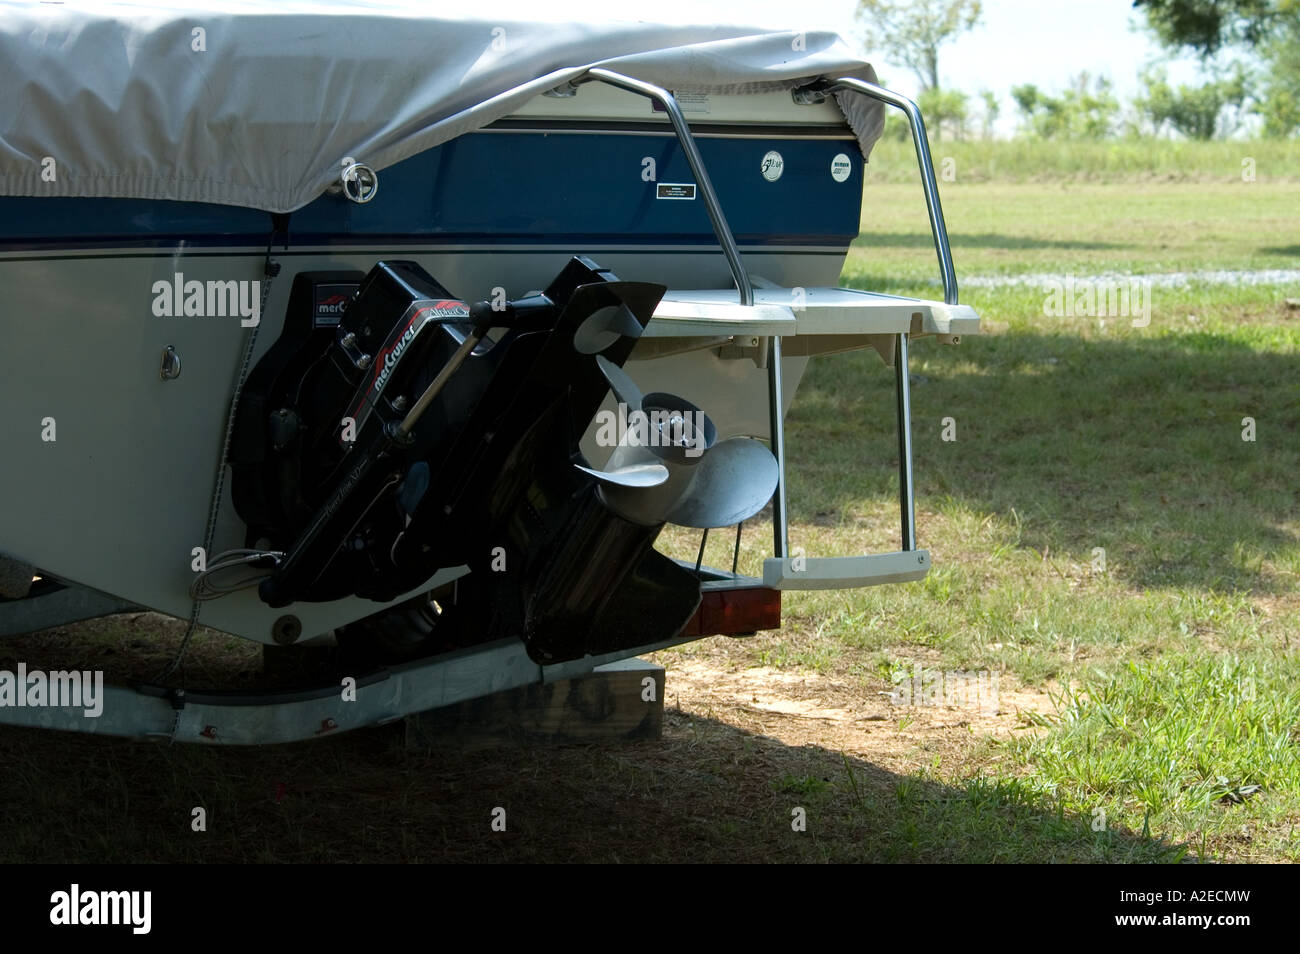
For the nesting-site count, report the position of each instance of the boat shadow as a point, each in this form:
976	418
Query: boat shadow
996	240
709	791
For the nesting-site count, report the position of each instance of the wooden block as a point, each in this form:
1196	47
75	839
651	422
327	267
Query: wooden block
620	701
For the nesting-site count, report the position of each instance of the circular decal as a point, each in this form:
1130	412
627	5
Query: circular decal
841	167
773	166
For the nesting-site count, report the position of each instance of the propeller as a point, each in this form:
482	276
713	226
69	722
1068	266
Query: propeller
674	469
603	327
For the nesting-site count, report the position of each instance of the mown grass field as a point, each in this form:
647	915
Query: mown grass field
1103	540
1120	161
1099	527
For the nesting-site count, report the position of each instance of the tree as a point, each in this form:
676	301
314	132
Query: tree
913	30
991	110
1268	29
1209	25
945	109
1280	110
1198	112
1279	99
1086	110
1026	96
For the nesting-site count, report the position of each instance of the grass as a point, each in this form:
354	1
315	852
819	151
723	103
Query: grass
1099	527
1123	161
1099	531
1200	747
1038	228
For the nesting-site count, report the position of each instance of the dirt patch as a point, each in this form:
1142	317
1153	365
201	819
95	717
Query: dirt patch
875	722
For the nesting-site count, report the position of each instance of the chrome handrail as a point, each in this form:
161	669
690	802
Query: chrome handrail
816	92
776	423
922	144
744	287
669	102
902	380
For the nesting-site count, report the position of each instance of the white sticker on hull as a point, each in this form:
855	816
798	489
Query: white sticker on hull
773	166
688	102
841	167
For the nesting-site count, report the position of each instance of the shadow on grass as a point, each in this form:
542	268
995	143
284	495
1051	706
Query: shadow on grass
708	792
1135	445
959	240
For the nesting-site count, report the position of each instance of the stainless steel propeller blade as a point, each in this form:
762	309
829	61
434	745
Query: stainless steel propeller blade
636	475
638	485
674	471
605	326
733	481
624	387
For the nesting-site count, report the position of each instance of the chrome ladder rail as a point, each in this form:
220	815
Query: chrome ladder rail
939	231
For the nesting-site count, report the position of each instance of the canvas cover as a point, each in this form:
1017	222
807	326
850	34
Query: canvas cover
257	104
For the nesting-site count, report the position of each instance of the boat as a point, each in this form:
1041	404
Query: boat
413	331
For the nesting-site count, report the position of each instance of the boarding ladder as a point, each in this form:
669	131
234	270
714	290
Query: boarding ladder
765	315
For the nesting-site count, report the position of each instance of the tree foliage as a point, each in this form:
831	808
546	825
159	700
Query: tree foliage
1266	29
945	111
991	110
1085	110
1209	25
1279	106
913	30
1198	112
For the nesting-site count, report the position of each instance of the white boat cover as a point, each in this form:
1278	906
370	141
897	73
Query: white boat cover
257	104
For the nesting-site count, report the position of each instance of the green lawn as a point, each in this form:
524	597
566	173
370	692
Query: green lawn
1009	229
1099	531
1122	161
1099	526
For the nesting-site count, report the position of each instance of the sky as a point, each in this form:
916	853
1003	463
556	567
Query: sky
1044	42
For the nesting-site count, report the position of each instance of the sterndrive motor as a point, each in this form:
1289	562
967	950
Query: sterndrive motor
387	434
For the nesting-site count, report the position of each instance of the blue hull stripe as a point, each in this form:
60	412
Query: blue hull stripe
578	189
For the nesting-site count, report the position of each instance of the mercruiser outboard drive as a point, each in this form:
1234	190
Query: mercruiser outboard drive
378	442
